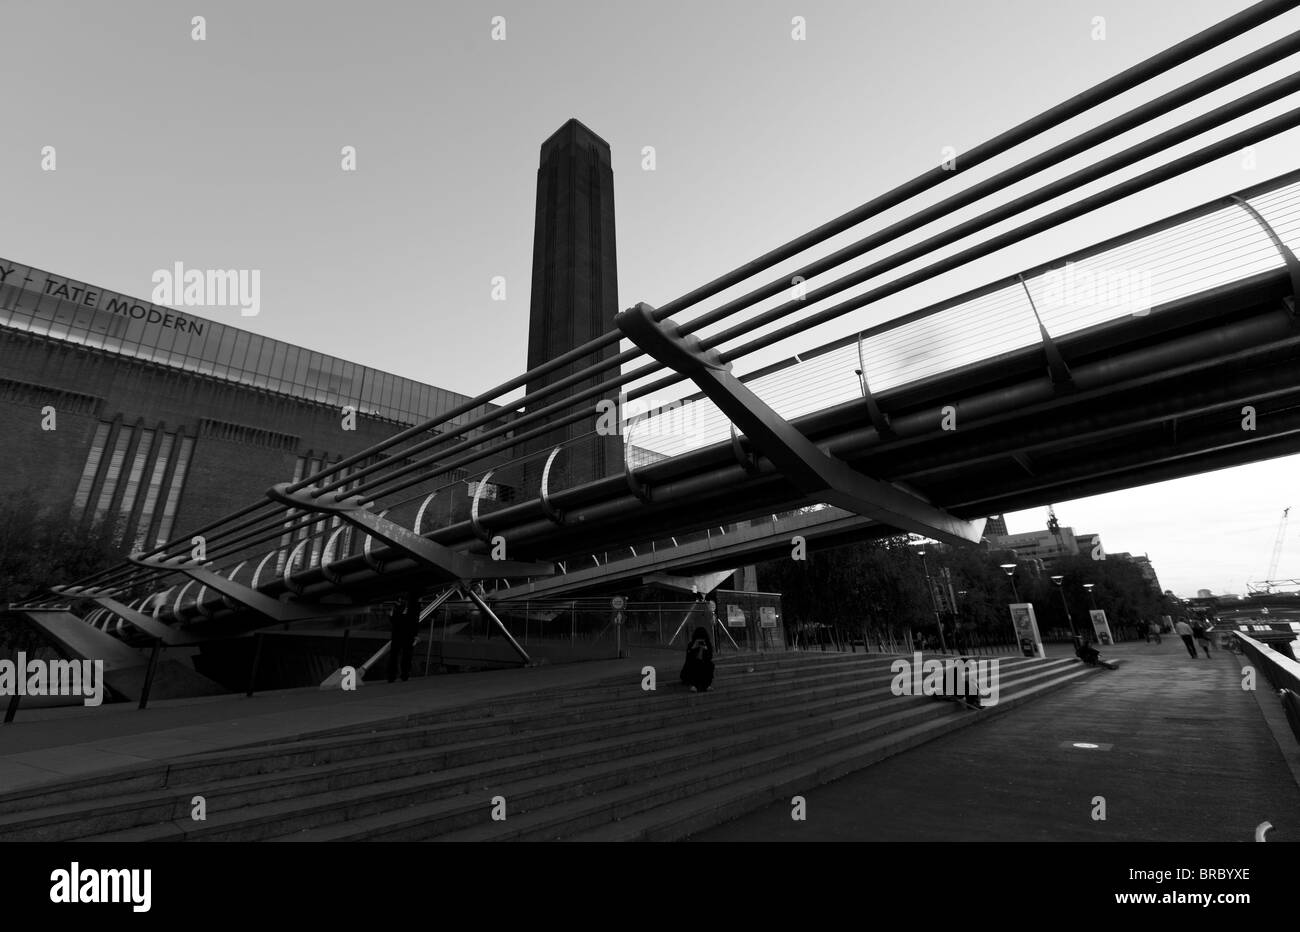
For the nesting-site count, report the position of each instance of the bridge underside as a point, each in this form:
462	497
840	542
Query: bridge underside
1149	398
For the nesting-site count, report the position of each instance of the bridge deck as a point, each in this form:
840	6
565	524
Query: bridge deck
1185	755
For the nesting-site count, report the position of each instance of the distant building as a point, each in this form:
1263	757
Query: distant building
1204	594
996	526
1043	547
1143	563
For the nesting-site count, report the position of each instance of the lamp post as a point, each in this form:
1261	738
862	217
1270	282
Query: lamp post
956	619
1091	601
1059	580
1010	570
943	645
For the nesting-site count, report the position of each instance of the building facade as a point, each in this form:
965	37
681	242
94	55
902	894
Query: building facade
116	410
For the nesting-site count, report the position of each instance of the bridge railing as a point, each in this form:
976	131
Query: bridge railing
1281	672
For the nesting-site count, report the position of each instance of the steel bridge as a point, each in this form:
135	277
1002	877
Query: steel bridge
1170	350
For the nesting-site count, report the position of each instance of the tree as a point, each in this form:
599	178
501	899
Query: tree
40	549
877	588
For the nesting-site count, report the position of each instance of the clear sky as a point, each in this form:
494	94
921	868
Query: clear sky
225	153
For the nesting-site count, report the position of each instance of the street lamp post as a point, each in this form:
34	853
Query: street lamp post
1091	601
943	645
1059	580
956	622
1010	570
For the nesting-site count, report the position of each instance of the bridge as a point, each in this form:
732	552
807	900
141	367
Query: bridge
1074	377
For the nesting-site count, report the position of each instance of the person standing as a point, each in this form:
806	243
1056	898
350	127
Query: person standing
697	671
1153	631
1184	631
405	621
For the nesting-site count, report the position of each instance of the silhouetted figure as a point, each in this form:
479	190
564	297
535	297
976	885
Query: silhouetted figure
697	671
1202	635
1153	631
1184	631
406	619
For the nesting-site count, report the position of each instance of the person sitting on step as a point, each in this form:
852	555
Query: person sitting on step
1090	655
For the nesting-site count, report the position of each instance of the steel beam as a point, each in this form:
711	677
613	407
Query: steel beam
811	470
483	607
149	625
449	565
277	611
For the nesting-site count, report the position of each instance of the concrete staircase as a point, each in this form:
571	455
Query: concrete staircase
603	762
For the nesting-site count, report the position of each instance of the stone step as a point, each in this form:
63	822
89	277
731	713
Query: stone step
302	774
640	784
683	817
429	820
445	727
457	794
255	792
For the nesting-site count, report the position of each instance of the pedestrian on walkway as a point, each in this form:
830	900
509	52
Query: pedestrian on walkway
1153	631
1184	631
405	621
1203	638
697	671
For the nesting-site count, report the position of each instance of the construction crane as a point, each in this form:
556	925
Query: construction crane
1271	582
1277	546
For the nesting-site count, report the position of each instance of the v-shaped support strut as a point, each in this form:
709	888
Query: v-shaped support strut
813	471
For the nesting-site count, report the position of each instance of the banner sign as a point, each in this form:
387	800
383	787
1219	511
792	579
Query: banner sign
735	616
1100	626
1026	625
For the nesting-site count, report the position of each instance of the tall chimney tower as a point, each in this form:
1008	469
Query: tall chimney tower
574	291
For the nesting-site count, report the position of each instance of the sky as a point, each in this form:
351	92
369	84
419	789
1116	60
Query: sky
225	153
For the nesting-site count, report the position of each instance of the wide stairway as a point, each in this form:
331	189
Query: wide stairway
605	762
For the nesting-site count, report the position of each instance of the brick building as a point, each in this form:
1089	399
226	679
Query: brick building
114	409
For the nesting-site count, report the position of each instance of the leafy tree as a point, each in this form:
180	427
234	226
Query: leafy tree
39	548
877	589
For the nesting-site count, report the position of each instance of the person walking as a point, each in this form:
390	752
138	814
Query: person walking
1203	638
1153	631
405	621
1184	631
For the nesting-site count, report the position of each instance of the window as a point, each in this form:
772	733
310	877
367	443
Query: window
404	401
239	357
259	360
134	334
288	371
142	451
227	347
151	493
91	469
174	493
210	345
114	472
276	366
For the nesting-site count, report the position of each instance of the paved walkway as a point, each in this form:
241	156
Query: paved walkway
52	744
1183	754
